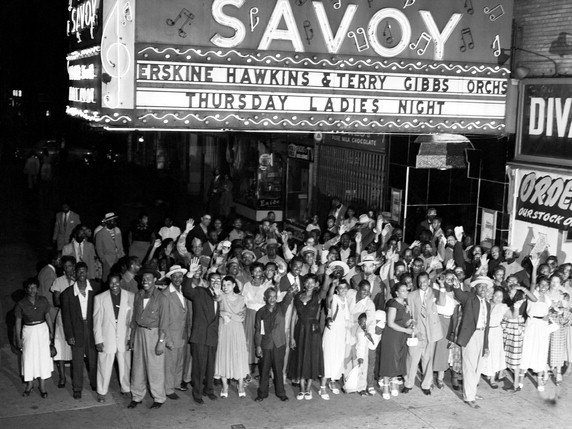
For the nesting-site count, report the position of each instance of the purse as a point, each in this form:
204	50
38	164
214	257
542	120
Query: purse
53	350
412	341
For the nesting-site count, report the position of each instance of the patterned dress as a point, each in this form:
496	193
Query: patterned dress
513	332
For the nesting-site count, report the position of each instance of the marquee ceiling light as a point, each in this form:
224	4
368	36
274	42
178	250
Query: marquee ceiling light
521	72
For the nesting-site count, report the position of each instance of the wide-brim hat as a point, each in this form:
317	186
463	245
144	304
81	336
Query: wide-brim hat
364	219
482	279
149	270
109	216
340	264
250	253
176	269
308	249
271	242
368	259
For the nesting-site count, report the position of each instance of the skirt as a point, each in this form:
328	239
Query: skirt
496	360
36	359
513	332
557	350
231	354
535	345
441	356
455	358
249	320
63	348
139	249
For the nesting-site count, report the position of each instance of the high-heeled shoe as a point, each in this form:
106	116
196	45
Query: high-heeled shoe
27	392
241	393
558	379
224	393
43	394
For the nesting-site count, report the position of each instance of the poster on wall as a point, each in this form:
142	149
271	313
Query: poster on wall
396	199
488	227
544	199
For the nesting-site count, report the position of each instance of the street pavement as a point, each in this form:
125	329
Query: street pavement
25	222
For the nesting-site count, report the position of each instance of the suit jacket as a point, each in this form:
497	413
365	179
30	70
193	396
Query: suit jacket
106	329
62	233
205	320
46	278
341	214
471	305
72	318
108	249
427	328
378	287
88	256
179	319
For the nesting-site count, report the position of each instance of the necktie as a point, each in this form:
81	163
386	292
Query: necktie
65	220
80	255
423	306
482	313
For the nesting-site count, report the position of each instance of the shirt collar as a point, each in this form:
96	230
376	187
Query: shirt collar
76	291
174	289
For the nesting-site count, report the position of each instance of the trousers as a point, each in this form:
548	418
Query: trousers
472	363
203	366
422	352
147	366
174	365
88	352
105	367
272	359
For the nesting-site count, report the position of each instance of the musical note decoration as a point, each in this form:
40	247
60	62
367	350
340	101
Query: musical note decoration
184	15
495	12
254	19
422	43
469	7
309	31
466	39
388	34
364	44
496	46
300	2
127	14
337	4
408	3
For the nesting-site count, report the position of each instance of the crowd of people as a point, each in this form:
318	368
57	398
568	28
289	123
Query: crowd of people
352	309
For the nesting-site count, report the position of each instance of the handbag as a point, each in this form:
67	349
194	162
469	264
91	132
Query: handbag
53	350
412	341
553	327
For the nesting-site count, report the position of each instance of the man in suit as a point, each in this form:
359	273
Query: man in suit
148	333
368	266
427	223
109	244
338	211
473	335
204	332
112	313
82	250
270	342
200	232
177	334
66	221
428	330
77	316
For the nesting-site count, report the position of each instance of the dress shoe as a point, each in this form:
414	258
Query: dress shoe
211	396
426	391
283	398
61	383
77	395
100	398
44	395
406	390
133	404
183	387
259	399
27	392
473	404
440	384
199	401
156	405
94	388
173	396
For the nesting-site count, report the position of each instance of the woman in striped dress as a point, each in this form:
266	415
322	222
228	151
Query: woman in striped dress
513	327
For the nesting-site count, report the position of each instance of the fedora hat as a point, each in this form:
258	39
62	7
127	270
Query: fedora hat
368	260
365	219
149	270
340	264
482	279
176	269
109	216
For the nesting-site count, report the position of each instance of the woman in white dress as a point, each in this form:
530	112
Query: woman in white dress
60	284
335	334
496	359
536	335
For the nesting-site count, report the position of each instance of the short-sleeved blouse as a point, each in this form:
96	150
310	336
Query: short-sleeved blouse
32	313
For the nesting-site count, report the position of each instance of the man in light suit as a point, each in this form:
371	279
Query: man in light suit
177	332
66	221
77	316
112	313
109	243
473	335
428	330
82	250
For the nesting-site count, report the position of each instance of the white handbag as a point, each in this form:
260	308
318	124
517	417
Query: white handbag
412	341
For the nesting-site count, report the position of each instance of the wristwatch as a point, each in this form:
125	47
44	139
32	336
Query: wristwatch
162	341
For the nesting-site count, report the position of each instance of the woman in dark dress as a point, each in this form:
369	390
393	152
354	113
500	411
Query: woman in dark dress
306	357
393	356
140	237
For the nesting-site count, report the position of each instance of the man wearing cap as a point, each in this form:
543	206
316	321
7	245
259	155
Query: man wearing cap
148	333
309	254
473	334
428	330
177	331
368	266
66	221
109	244
112	313
204	333
271	253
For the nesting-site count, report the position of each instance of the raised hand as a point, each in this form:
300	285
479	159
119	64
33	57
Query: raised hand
450	265
194	266
358	237
190	225
415	244
157	243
